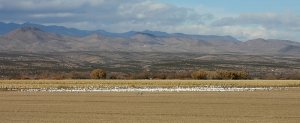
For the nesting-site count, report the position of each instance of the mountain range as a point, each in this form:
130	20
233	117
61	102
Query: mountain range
30	37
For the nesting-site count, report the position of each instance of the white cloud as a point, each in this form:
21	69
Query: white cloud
268	20
47	15
47	4
149	11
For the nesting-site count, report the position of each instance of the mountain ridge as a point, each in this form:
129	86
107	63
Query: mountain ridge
8	27
34	39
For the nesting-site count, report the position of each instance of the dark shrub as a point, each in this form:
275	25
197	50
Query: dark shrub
200	74
98	74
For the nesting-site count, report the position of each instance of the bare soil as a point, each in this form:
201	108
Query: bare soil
205	107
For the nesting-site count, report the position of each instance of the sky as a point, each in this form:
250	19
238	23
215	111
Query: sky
243	19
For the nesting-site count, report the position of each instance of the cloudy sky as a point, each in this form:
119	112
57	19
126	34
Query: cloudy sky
243	19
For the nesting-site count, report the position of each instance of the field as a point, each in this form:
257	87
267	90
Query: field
205	107
69	84
262	106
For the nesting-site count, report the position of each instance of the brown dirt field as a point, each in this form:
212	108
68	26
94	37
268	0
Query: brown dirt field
205	107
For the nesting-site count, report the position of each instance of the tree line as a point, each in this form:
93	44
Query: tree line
181	74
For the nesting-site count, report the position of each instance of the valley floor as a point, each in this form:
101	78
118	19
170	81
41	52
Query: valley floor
275	106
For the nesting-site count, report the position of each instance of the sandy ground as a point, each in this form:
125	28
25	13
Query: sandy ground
171	107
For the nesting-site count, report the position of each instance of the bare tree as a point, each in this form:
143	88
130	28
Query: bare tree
98	74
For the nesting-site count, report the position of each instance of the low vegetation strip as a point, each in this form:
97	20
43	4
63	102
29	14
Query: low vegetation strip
175	89
35	84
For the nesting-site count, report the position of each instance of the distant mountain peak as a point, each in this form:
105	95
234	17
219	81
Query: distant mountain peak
156	33
144	34
29	28
95	36
31	34
258	39
25	31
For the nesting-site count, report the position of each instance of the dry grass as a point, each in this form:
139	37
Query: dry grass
204	107
25	84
